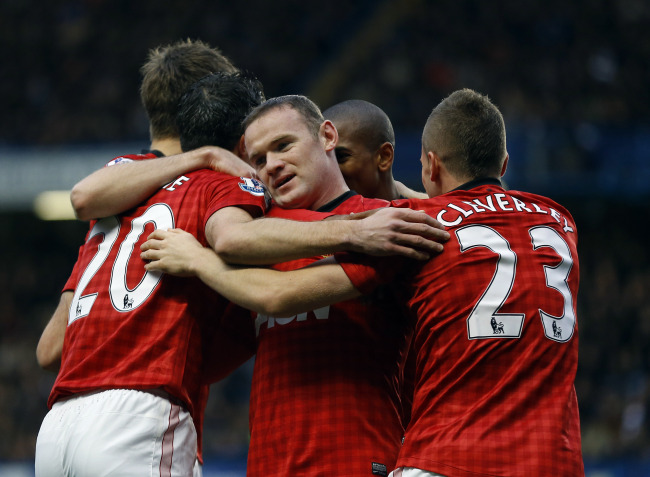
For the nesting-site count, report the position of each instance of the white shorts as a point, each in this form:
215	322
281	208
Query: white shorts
198	469
412	472
116	432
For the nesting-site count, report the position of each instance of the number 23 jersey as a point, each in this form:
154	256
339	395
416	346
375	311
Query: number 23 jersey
495	337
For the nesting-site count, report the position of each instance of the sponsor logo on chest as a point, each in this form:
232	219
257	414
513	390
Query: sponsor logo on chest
271	322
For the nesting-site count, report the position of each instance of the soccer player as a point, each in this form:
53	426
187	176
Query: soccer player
496	332
130	383
366	150
167	73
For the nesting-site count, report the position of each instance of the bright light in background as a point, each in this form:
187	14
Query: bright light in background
54	205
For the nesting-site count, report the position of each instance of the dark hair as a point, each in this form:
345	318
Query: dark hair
212	111
370	123
467	131
303	105
167	74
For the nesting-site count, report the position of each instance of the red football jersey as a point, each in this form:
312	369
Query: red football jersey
132	329
71	283
496	337
325	391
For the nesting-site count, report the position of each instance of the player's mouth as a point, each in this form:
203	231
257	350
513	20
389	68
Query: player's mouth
282	181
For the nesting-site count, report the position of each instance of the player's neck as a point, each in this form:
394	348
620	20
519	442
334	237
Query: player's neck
331	187
168	146
388	190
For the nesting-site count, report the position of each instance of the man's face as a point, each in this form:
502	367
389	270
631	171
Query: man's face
358	164
287	158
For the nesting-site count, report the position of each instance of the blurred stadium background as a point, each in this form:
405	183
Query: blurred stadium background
573	82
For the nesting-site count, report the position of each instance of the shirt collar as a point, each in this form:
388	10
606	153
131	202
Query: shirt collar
479	182
333	204
155	152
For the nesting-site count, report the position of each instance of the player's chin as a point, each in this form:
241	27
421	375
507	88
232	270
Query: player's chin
286	200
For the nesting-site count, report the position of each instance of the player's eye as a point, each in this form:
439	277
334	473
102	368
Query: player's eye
341	156
259	162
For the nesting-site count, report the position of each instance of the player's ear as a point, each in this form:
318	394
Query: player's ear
504	166
329	135
435	163
240	148
385	157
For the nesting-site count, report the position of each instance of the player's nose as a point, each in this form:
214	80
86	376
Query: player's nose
273	164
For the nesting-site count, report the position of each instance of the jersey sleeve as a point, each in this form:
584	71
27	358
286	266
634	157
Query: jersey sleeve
231	191
368	273
71	283
75	275
73	279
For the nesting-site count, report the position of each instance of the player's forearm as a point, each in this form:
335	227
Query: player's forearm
389	231
269	240
112	190
271	292
50	345
266	291
247	287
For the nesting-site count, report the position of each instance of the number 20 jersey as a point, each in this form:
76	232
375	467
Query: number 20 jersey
133	329
495	336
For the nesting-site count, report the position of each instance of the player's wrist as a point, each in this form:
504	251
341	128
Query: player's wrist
352	237
199	265
200	158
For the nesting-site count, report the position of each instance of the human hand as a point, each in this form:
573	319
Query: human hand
396	231
222	160
173	251
408	192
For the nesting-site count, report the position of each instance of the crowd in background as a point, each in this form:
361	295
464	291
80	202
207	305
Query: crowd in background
70	75
613	381
71	66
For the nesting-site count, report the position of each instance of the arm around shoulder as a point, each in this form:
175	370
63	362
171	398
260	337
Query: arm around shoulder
112	190
263	290
275	293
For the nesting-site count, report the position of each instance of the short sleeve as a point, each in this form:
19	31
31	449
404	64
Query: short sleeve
231	191
367	273
73	279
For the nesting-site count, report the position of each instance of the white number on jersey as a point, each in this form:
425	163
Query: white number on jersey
122	297
485	321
